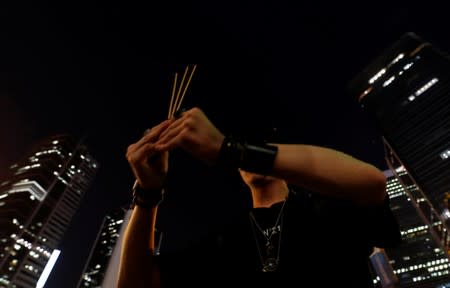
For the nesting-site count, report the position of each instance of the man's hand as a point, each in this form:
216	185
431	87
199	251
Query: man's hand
149	165
193	132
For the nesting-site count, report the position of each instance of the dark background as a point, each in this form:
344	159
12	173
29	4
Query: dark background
104	70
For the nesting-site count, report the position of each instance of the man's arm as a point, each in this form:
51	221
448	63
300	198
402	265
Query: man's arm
330	172
318	169
137	264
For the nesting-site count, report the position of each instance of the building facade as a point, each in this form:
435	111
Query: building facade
37	203
102	267
406	92
419	261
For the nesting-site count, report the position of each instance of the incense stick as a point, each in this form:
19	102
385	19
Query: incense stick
172	112
173	95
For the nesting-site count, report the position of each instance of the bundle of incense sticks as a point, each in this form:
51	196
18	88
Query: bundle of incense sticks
179	90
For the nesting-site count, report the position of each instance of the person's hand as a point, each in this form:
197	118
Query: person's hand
193	132
149	166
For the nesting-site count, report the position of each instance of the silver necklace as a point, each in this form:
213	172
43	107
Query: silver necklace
271	258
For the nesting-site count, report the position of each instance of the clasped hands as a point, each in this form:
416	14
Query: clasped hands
191	131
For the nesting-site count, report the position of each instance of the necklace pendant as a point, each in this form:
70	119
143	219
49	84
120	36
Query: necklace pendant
270	258
270	265
270	249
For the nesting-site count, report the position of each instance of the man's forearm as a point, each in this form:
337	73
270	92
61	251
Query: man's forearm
137	264
330	172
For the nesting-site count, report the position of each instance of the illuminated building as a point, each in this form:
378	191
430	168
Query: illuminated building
102	266
406	92
37	204
419	261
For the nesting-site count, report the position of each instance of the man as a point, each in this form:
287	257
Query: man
317	213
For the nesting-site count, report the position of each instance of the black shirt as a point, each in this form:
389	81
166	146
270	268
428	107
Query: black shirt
324	242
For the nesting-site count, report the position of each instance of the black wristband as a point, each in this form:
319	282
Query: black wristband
146	198
257	158
230	153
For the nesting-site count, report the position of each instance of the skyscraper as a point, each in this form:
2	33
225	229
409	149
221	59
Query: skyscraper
406	91
37	204
102	266
419	261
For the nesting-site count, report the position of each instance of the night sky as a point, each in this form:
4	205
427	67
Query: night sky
103	70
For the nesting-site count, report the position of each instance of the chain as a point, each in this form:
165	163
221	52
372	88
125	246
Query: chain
270	264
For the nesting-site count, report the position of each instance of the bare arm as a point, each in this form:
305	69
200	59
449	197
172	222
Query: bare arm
137	264
330	172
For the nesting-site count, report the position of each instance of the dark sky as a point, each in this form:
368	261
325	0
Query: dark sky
103	70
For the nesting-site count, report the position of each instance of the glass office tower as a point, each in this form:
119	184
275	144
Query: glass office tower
102	266
37	203
419	261
406	91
